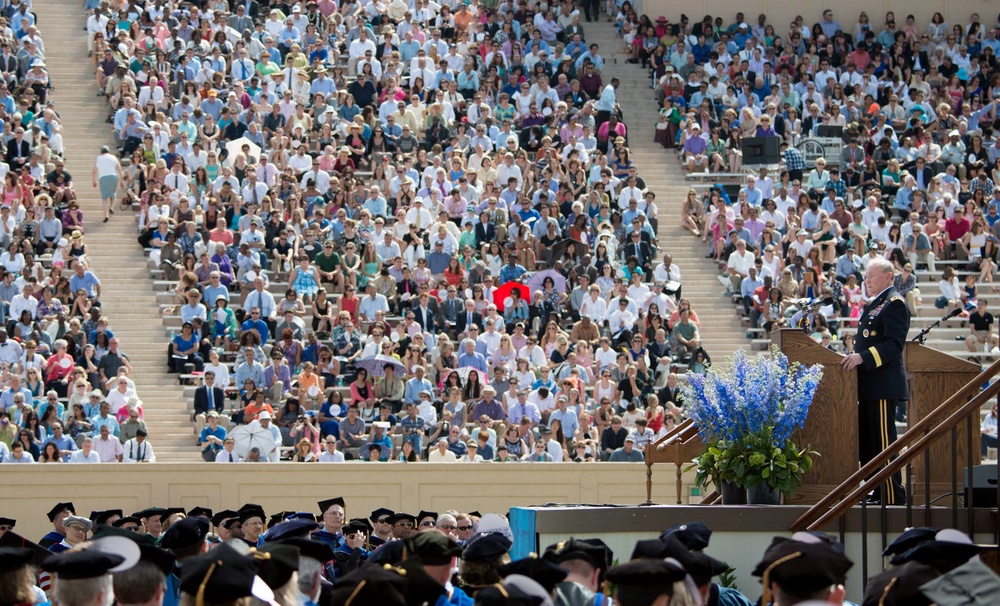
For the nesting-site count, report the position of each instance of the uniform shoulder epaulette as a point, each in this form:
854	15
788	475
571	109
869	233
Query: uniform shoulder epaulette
896	298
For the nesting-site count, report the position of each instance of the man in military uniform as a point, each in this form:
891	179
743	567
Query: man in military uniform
878	356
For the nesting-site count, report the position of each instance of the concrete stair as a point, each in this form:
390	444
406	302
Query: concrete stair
128	299
721	330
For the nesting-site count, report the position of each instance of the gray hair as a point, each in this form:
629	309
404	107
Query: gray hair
446	517
309	571
78	592
884	265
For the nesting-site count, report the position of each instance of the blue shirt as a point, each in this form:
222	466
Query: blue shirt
88	283
473	360
413	388
509	273
64	443
261	327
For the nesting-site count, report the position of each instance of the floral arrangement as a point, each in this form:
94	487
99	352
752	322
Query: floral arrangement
747	415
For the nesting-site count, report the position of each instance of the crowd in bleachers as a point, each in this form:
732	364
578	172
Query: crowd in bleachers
910	175
60	362
354	205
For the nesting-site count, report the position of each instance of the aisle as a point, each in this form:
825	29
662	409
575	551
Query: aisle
127	296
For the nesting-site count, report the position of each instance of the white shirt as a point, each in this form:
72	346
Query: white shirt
223	456
595	310
108	450
79	457
331	457
135	452
436	456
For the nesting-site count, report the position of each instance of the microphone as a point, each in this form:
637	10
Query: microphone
922	335
821	302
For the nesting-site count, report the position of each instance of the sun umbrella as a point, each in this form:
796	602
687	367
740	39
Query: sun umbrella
502	293
376	364
248	437
463	374
559	249
535	281
235	147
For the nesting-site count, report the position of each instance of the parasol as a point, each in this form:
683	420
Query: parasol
235	147
503	293
248	437
559	249
535	281
375	365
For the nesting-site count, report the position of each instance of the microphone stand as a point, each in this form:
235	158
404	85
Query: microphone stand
922	335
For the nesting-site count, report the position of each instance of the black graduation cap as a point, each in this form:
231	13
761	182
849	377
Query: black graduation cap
899	586
544	572
86	564
59	508
150	512
327	504
801	567
202	512
290	529
418	586
475	514
220	575
398	517
224	515
148	551
695	535
122	521
387	553
701	566
370	584
302	515
486	547
252	511
277	568
910	538
643	580
185	534
427	514
15	558
317	550
358	525
12	539
650	548
278	518
102	517
592	551
971	584
432	548
942	555
378	513
506	595
169	511
8	522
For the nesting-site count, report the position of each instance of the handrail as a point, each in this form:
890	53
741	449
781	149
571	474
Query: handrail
922	434
682	432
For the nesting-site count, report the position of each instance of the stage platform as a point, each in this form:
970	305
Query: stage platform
740	533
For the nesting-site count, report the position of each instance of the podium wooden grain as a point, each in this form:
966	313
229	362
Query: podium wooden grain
832	426
932	377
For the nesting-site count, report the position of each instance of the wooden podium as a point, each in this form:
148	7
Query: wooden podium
832	426
932	377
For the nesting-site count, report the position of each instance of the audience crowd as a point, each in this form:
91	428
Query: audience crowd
400	232
911	174
63	376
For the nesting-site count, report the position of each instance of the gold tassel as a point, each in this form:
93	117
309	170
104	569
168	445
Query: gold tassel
199	598
885	592
765	597
354	593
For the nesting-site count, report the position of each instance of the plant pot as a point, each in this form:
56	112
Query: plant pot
762	494
733	494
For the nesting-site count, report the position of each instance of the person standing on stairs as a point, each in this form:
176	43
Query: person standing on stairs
607	103
107	175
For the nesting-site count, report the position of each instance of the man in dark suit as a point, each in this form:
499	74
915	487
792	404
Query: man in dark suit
207	398
449	310
878	356
18	150
468	317
8	64
638	249
922	173
252	7
423	313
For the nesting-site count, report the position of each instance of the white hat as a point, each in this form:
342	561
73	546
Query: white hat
264	415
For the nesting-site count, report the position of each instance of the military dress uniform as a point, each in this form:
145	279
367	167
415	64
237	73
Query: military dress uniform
882	331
